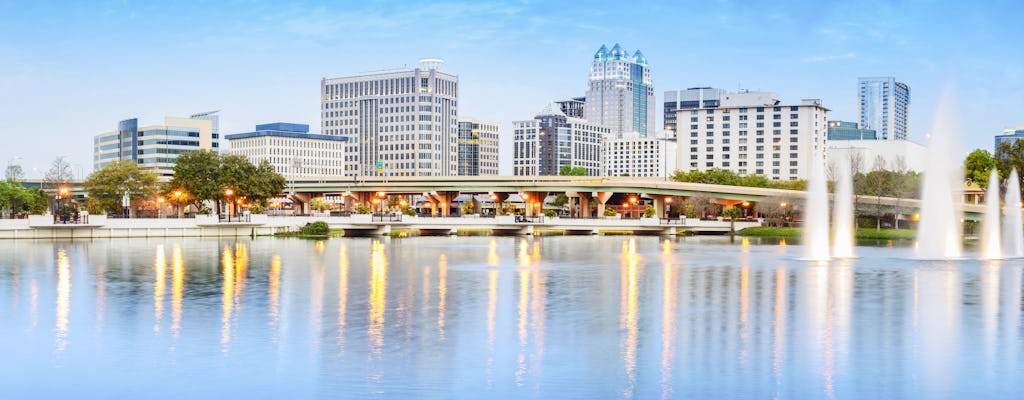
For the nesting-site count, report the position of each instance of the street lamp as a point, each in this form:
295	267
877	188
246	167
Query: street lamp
228	192
635	207
62	193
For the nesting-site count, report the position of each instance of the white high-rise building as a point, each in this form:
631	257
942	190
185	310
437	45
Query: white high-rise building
402	122
885	107
752	133
632	155
154	147
291	149
620	94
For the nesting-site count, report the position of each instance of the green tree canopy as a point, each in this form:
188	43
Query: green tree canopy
1010	155
978	165
727	177
16	200
568	170
197	174
204	175
107	185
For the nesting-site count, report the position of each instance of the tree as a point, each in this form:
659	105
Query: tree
59	173
14	172
1010	155
16	200
568	170
978	165
106	186
196	173
732	213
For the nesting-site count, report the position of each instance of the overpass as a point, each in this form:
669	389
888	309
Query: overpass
582	191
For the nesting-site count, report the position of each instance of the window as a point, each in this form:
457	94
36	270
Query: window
710	141
711	126
794	116
793	147
792	123
760	117
777	116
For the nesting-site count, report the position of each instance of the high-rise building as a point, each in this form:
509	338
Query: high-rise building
689	99
884	107
154	147
291	149
478	147
1009	135
752	133
402	122
620	94
552	139
213	118
632	155
843	130
572	107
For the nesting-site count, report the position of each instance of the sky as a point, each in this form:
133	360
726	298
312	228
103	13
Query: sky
72	70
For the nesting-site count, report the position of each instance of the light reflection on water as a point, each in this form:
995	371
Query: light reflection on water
523	317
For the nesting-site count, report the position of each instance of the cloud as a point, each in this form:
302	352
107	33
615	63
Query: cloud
828	58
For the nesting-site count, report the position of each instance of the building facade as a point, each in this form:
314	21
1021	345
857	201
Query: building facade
640	156
884	107
573	107
689	99
752	133
291	149
397	123
843	130
478	147
154	147
620	94
551	140
1009	135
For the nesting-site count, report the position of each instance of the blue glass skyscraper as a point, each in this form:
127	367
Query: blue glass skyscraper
620	94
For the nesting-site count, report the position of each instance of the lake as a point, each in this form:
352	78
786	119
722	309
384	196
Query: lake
501	317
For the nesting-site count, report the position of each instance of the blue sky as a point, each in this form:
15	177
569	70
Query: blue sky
70	70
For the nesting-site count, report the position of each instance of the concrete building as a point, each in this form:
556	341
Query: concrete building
402	122
895	155
478	147
885	107
291	149
689	99
551	140
620	94
634	155
1009	134
843	130
752	133
573	107
154	147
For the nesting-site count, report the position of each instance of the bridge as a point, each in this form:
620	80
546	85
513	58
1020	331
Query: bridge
583	192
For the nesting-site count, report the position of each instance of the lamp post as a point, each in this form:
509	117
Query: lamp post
160	207
636	207
228	192
62	193
177	203
668	205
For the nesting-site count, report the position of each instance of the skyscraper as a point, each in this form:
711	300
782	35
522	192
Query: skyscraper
884	107
402	122
552	139
478	147
620	94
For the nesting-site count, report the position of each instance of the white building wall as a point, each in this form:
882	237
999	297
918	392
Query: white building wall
775	141
293	157
638	156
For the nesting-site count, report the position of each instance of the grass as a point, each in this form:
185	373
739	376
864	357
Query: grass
862	233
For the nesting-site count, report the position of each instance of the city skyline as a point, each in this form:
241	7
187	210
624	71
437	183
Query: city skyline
71	69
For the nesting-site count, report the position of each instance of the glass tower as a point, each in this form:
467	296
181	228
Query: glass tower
884	107
620	94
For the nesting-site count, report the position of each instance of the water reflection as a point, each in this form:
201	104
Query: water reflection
63	299
707	320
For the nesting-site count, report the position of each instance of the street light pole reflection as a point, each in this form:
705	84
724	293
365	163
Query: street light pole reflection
160	272
629	301
177	288
342	296
378	297
227	297
63	299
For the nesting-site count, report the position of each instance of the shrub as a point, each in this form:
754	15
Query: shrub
608	212
649	211
551	213
362	209
409	211
318	228
258	208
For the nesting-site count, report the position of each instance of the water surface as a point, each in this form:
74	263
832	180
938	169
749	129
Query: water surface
501	317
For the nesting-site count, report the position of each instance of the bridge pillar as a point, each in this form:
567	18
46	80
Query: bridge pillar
301	201
602	197
442	200
534	202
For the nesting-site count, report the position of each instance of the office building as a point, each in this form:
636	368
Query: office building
752	133
620	94
843	130
633	155
689	99
885	107
291	149
550	140
1009	135
402	122
478	147
154	147
572	107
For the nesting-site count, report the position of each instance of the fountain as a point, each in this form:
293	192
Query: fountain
990	247
815	238
1013	227
938	233
842	211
